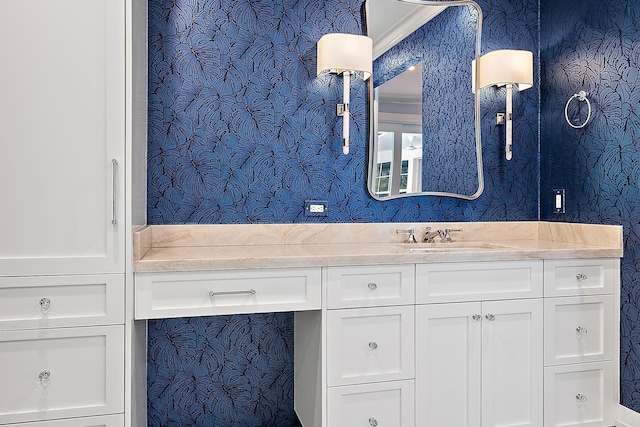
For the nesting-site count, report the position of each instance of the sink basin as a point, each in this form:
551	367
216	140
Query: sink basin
454	246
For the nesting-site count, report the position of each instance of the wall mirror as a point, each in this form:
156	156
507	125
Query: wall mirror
425	119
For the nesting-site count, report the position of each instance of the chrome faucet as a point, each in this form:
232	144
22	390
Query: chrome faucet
430	235
445	235
411	232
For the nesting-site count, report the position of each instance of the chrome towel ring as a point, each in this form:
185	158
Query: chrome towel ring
582	97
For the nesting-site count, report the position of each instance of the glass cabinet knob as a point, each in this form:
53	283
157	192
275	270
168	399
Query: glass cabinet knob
581	398
476	317
45	303
372	286
44	376
490	317
581	278
580	330
373	422
373	345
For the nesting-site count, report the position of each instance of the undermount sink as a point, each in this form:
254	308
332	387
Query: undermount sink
454	246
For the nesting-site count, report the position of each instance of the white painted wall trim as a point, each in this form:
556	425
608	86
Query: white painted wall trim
627	417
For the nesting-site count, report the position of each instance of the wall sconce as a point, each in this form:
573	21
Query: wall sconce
345	54
505	68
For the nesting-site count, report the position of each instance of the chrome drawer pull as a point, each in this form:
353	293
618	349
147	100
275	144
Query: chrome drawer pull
216	294
44	376
476	317
373	422
373	345
372	286
114	194
490	317
580	330
581	398
45	303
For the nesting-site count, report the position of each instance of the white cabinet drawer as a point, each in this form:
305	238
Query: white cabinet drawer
369	286
61	301
581	276
370	405
474	281
104	421
578	329
60	373
580	395
207	293
370	344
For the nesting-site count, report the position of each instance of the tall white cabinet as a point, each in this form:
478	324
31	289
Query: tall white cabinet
68	130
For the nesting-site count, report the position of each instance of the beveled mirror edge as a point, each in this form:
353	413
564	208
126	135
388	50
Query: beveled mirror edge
478	145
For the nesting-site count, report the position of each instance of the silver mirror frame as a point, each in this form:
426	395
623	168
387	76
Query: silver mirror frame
373	127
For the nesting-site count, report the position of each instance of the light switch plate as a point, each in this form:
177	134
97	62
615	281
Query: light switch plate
559	200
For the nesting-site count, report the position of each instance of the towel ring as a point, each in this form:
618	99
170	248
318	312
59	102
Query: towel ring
581	96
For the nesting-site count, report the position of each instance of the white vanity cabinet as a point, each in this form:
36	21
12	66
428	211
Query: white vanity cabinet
479	362
369	339
63	245
581	342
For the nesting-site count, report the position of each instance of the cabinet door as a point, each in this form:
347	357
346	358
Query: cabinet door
512	363
63	126
448	350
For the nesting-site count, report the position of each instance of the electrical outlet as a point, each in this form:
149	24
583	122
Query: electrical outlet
559	200
316	207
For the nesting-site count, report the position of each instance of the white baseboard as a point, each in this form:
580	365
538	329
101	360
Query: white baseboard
627	417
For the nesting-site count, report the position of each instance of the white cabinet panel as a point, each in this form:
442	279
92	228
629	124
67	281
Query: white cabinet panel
581	276
578	329
208	293
453	282
370	344
448	368
59	373
372	405
512	363
367	286
580	395
63	124
56	301
104	421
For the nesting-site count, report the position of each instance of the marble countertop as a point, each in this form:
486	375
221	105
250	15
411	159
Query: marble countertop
162	248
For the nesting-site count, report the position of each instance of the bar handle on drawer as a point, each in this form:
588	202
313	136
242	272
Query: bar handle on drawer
373	422
221	293
114	214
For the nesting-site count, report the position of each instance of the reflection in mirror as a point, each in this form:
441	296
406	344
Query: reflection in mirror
425	133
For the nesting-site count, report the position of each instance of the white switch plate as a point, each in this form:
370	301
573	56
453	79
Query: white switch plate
559	200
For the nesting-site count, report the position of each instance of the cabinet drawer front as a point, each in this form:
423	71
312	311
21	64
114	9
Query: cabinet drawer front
453	282
370	344
581	277
104	421
370	286
60	373
580	395
207	293
61	301
367	405
578	329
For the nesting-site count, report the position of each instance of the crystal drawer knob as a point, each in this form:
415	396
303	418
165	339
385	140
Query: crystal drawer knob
581	398
581	278
581	331
372	286
476	317
44	376
373	345
45	303
490	317
373	422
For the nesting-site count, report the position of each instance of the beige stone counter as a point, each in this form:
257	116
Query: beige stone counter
220	247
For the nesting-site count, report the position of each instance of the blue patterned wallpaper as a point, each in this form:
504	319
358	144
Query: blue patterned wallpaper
594	46
242	131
